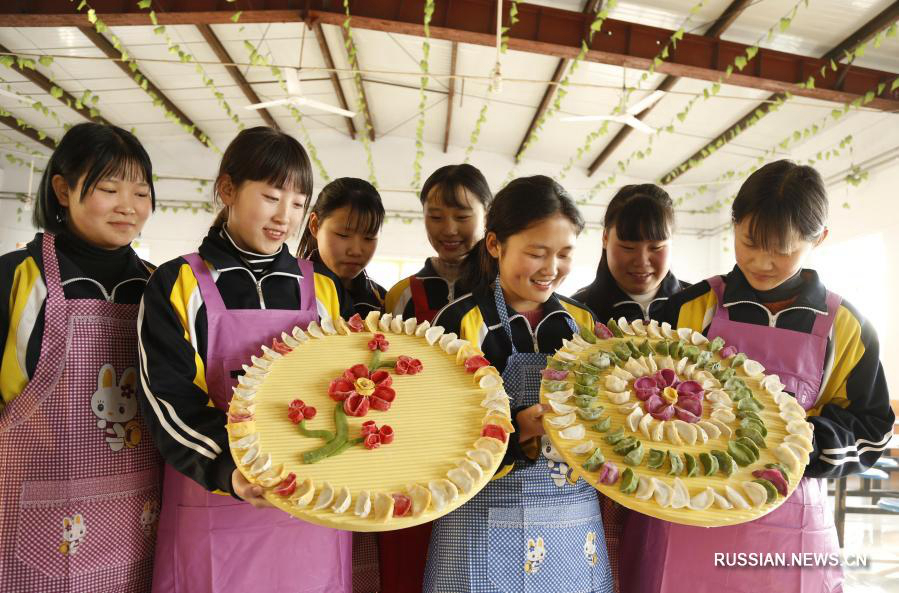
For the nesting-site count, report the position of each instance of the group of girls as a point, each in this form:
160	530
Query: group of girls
115	377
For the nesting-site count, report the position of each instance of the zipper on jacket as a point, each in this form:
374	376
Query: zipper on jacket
259	292
772	317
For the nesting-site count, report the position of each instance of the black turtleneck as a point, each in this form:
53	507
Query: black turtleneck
106	266
786	290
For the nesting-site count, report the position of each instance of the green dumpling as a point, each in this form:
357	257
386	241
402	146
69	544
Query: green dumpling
595	461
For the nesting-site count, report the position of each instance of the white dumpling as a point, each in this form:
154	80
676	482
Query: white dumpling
684	333
460	478
800	427
698	339
658	431
325	497
384	322
672	434
753	368
721	502
327	325
615	384
583	448
618	397
710	429
481	456
703	500
701	435
432	334
560	408
667	331
638	327
628	407
681	365
634	367
653	329
735	498
573	433
396	324
562	421
422	328
645	425
624	326
722	427
645	488
559	396
799	441
443	493
680	496
315	330
662	492
621	374
723	415
363	504
756	493
633	419
342	500
686	431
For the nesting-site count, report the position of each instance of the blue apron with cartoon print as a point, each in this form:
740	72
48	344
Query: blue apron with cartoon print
531	530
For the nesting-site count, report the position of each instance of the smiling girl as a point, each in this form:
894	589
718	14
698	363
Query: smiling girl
454	199
342	234
516	318
72	442
203	316
826	354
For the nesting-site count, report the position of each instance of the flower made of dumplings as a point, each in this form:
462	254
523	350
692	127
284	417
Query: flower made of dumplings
664	396
359	389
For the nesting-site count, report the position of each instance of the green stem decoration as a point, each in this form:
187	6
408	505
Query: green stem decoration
336	444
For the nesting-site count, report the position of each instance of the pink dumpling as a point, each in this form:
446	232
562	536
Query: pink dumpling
687	415
609	473
665	378
690	388
602	332
664	413
692	405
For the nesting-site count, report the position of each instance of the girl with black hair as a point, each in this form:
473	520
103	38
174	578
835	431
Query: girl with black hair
633	281
454	199
342	234
204	314
79	467
825	354
528	529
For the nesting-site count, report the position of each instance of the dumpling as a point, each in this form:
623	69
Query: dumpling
680	496
583	448
342	500
421	499
482	457
645	488
686	431
494	446
710	429
443	493
363	504
325	497
461	478
735	498
756	493
615	384
633	419
618	397
303	494
721	502
383	506
645	425
573	433
703	500
559	396
562	421
661	492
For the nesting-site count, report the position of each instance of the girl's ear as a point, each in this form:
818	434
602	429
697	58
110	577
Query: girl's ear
314	225
226	190
494	248
61	189
822	237
605	238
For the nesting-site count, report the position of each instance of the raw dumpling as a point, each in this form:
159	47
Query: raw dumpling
735	498
618	397
680	496
661	492
616	384
325	496
686	431
421	499
443	493
573	433
703	500
482	457
633	419
645	488
383	506
494	446
461	478
560	396
363	504
303	494
342	500
583	448
756	492
710	429
562	421
560	408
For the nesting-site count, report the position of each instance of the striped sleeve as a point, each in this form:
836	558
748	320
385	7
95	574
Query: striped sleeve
188	430
853	418
398	297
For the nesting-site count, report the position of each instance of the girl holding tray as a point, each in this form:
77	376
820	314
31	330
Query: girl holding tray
203	315
81	477
454	199
342	234
633	281
525	530
826	354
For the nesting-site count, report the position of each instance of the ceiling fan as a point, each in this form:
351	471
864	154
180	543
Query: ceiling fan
628	117
17	97
295	97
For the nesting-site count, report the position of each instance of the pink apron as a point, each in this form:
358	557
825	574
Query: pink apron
214	543
79	496
667	557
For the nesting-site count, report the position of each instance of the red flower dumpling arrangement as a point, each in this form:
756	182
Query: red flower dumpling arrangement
360	389
664	396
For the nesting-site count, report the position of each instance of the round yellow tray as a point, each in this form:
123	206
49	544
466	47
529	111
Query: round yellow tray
437	416
711	517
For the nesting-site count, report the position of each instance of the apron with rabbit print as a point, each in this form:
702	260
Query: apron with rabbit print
79	499
529	531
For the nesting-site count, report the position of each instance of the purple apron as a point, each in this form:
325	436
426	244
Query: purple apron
665	557
213	543
79	496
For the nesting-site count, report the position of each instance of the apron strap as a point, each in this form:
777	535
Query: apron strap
55	292
212	298
503	312
307	286
824	323
717	285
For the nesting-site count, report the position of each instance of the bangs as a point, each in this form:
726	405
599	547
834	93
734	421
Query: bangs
286	169
120	160
643	219
365	218
768	232
451	195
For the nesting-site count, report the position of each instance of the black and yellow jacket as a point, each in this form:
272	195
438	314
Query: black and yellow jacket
366	294
607	301
438	291
852	419
87	272
173	347
474	317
